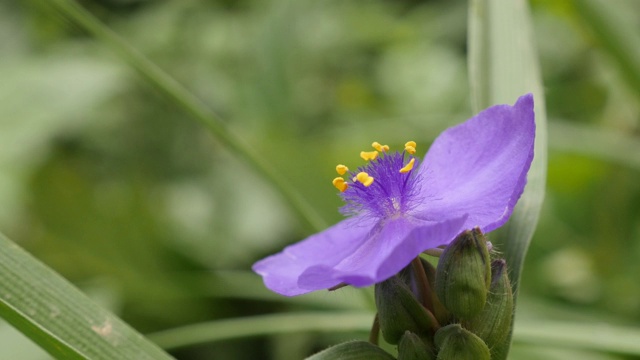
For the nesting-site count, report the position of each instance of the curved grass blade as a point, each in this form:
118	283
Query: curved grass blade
59	317
614	30
262	325
605	144
193	106
503	65
600	337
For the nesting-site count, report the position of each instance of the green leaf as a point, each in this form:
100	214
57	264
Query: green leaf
352	350
262	325
614	28
59	317
503	65
601	337
603	143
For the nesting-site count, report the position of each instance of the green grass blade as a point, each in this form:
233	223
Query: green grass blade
614	30
503	65
185	100
603	143
58	317
599	337
260	325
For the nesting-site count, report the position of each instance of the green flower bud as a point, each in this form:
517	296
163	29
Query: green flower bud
463	275
353	350
455	343
411	347
400	311
494	321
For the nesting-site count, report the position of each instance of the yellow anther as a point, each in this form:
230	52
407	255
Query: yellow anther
410	147
376	145
368	155
340	184
341	169
364	178
408	167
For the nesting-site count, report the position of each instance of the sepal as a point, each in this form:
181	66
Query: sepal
494	321
353	350
412	347
455	343
399	311
463	275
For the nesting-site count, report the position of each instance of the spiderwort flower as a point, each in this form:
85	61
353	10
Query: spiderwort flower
398	207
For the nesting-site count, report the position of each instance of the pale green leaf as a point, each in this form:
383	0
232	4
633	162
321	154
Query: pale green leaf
585	336
262	325
59	317
503	65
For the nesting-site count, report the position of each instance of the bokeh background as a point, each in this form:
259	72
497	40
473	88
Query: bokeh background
119	190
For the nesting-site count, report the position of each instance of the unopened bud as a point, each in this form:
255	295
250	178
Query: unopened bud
411	347
353	350
400	311
455	343
464	274
493	323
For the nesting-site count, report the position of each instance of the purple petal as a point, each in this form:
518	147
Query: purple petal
327	248
391	246
479	167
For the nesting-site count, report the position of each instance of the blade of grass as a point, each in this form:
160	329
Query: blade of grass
605	144
262	325
503	65
59	317
614	31
193	106
600	337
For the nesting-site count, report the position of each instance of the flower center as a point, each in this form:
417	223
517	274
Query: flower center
384	187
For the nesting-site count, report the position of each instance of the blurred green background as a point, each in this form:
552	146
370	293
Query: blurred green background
119	190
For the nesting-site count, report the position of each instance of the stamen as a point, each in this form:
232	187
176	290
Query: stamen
340	184
383	148
364	178
408	167
368	155
341	169
410	147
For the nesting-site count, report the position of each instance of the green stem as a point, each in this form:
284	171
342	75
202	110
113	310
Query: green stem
180	96
423	283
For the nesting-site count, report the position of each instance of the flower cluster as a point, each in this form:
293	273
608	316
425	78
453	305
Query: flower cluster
398	206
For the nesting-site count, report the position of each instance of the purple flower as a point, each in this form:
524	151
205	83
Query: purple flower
472	176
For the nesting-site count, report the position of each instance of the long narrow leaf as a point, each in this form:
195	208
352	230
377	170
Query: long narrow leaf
600	337
59	317
263	325
616	33
183	99
503	65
